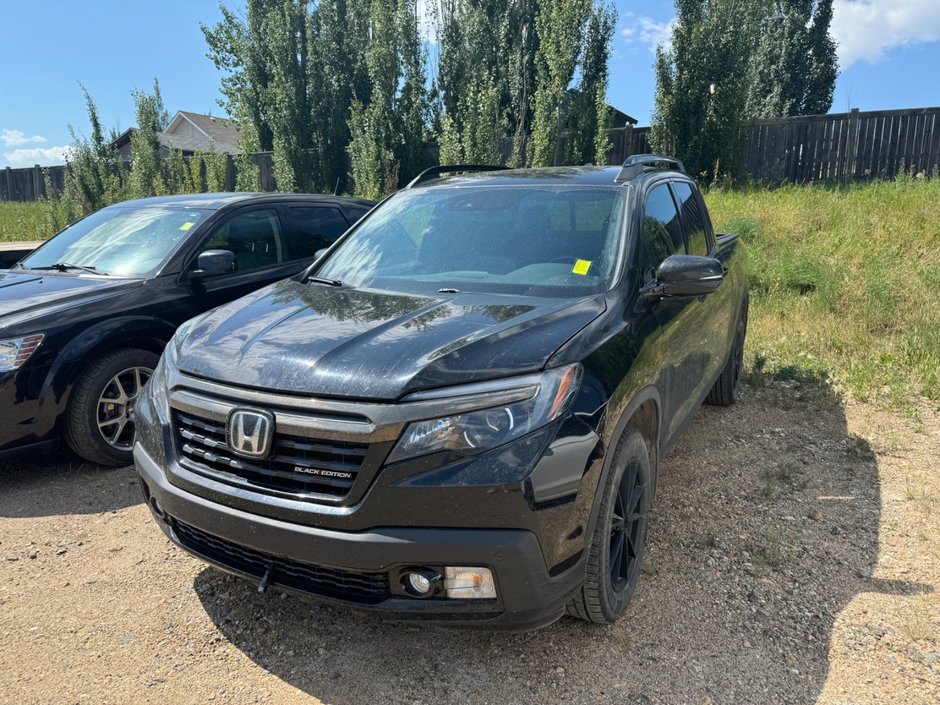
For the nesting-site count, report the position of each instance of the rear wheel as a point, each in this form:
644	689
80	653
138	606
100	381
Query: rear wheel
619	540
727	387
100	421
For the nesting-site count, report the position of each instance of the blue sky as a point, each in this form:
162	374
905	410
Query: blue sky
889	52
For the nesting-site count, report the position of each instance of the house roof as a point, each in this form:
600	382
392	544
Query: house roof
209	133
622	115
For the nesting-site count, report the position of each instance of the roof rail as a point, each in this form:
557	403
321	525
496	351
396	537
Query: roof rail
641	163
436	171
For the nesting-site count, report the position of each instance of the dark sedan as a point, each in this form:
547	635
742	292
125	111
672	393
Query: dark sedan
84	318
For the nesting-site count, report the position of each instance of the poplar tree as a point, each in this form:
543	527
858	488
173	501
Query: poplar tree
146	177
559	24
794	66
702	83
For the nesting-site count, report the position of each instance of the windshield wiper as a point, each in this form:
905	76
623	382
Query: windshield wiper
324	280
66	266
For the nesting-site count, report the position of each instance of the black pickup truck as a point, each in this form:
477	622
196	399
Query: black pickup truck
458	413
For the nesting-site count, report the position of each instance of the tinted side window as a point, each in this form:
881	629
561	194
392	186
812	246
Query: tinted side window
254	237
312	228
661	230
694	222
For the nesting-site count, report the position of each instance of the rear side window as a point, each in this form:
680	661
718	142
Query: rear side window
694	222
253	236
661	230
312	228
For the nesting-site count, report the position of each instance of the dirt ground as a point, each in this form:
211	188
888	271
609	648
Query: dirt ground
794	558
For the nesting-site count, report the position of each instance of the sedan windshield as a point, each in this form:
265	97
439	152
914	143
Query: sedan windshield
530	240
121	241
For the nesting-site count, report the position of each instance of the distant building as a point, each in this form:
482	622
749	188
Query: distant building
193	132
190	133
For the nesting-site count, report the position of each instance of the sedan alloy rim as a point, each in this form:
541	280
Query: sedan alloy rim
116	407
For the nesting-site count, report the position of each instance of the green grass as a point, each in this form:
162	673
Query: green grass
845	284
23	221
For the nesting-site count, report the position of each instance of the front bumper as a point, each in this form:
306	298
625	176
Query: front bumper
528	595
28	419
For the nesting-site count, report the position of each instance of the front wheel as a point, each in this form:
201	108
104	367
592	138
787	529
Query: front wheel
619	541
100	420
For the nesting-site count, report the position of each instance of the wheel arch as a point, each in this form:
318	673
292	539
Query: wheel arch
147	333
643	412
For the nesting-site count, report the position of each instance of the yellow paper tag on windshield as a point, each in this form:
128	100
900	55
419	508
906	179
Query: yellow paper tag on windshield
582	266
186	226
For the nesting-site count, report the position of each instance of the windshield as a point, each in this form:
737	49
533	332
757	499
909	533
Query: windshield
530	240
122	241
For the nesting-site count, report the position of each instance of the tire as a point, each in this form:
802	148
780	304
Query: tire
99	422
727	387
608	587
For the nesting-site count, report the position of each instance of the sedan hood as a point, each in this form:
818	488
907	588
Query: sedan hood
26	295
366	344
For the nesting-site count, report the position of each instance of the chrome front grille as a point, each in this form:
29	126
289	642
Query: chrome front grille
298	466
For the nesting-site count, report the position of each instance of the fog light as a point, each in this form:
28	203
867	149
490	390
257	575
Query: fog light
469	584
419	583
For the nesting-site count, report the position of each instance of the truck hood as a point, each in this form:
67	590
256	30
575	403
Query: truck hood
25	295
368	344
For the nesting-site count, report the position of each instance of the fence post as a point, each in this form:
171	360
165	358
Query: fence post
8	196
851	147
37	182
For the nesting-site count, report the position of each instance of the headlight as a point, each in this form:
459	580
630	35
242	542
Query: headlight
14	352
477	431
157	387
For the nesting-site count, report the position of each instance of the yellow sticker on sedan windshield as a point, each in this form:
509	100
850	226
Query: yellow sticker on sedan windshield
581	267
186	226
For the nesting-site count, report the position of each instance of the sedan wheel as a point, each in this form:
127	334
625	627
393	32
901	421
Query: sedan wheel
116	407
99	424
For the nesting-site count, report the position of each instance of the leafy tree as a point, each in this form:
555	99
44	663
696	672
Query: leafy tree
559	24
338	40
824	67
371	124
795	64
702	83
265	60
412	101
589	115
247	173
92	177
238	50
146	178
215	166
177	174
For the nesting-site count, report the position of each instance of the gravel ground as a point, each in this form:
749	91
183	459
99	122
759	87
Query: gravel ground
793	558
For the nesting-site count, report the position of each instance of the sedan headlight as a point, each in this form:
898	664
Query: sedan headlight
473	432
14	352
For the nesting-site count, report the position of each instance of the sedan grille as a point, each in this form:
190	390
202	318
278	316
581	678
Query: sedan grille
298	467
362	588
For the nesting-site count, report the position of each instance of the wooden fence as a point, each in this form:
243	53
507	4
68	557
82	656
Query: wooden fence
815	148
843	147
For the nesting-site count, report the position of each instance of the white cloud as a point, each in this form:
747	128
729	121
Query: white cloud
647	31
28	156
866	29
14	138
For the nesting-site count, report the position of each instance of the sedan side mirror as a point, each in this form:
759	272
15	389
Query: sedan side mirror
685	275
213	262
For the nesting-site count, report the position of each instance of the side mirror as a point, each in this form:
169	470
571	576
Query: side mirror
685	275
319	253
212	262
